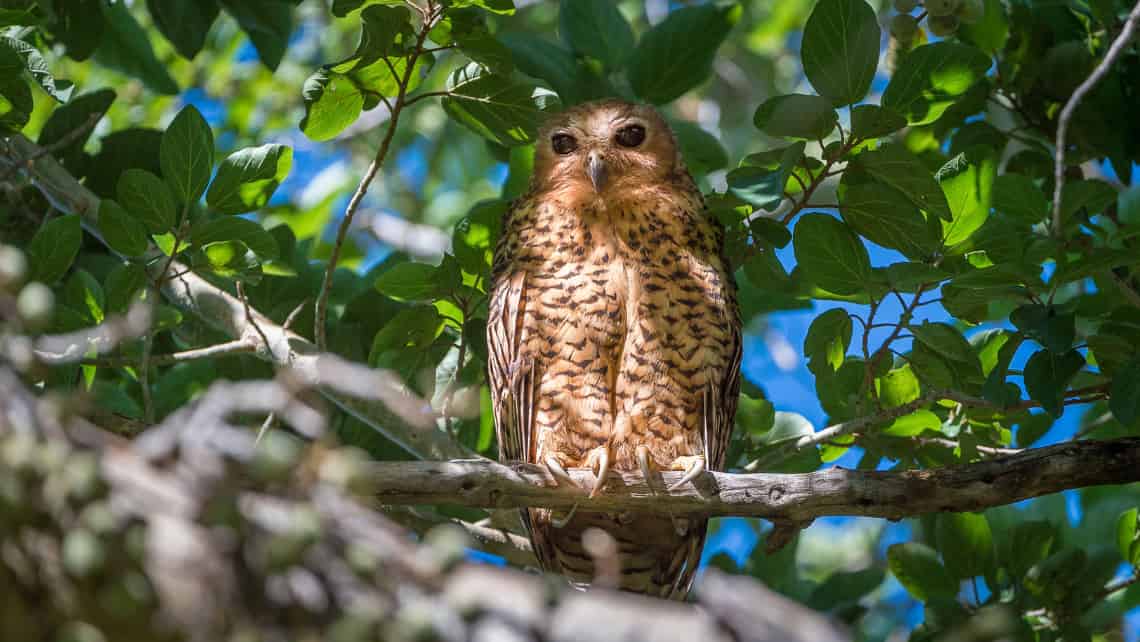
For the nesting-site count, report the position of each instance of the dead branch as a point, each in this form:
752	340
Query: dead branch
800	497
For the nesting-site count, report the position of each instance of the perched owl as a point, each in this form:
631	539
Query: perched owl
614	335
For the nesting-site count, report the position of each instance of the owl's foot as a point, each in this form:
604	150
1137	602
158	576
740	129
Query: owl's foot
646	465
599	460
558	471
693	465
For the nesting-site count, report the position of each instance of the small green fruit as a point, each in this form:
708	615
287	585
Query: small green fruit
942	26
942	7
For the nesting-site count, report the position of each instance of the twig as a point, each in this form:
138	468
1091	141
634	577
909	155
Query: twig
226	349
68	138
1098	74
321	311
252	320
1126	288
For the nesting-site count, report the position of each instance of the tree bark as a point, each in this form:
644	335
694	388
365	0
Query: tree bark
787	497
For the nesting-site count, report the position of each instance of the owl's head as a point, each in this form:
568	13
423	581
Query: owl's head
605	146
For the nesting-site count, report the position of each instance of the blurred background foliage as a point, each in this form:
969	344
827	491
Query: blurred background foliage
971	92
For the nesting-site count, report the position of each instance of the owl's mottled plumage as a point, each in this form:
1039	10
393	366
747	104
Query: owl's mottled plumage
613	332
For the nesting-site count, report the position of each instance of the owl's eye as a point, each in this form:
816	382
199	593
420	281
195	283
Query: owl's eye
563	143
630	136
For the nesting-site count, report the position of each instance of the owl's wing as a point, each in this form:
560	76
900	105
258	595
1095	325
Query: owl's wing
511	373
723	394
721	399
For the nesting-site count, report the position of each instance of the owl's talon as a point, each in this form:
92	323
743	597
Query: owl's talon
558	471
693	467
646	466
561	523
599	460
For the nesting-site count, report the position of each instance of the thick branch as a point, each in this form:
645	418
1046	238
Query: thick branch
798	497
378	398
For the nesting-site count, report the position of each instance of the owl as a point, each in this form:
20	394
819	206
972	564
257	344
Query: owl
613	336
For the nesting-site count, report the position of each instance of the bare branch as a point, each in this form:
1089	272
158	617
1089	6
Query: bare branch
421	241
1098	74
788	497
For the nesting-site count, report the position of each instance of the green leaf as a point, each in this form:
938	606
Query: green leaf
887	217
902	170
82	111
415	327
1030	543
898	387
187	155
930	367
917	568
184	23
123	284
931	78
34	64
845	588
1091	195
945	340
873	121
597	29
84	294
908	277
502	7
991	32
1018	196
913	424
787	426
763	187
1054	330
831	255
247	178
702	151
827	340
332	102
840	49
16	103
546	61
1032	428
763	266
410	282
766	229
796	116
474	238
124	233
501	110
677	54
967	180
233	228
755	415
1128	536
146	197
966	543
79	25
1124	395
232	260
54	247
125	47
268	23
1047	376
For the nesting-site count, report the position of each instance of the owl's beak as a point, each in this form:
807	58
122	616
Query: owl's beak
596	170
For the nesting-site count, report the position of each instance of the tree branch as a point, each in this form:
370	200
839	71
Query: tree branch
791	497
1098	74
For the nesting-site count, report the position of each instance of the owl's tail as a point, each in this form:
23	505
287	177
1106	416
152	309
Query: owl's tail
655	555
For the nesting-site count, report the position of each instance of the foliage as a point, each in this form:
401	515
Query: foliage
937	155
